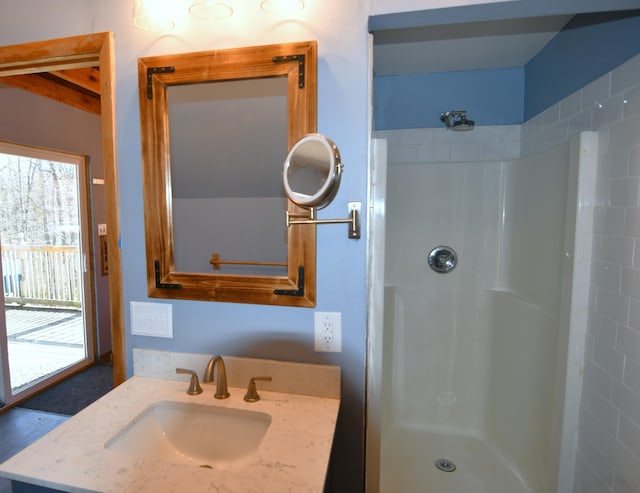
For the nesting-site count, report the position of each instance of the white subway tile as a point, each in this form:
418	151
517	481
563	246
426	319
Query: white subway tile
609	220
466	152
628	342
606	275
605	413
615	162
596	92
600	463
629	434
551	115
597	379
632	222
391	136
627	470
603	329
627	401
631	102
626	75
607	112
636	254
634	161
617	250
571	105
508	133
603	140
631	282
403	154
624	191
416	136
632	374
609	360
580	122
434	153
586	482
625	133
634	314
553	135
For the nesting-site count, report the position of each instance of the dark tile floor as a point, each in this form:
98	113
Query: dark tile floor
21	427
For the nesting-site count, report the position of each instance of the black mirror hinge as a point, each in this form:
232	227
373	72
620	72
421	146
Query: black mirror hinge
293	58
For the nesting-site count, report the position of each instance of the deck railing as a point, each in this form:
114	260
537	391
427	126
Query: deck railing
42	275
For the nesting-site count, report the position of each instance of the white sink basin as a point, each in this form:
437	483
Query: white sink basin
187	433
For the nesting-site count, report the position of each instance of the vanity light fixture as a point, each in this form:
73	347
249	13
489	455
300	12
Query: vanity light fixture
211	9
159	15
154	15
281	7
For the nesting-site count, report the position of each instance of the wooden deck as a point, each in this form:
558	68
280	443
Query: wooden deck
42	341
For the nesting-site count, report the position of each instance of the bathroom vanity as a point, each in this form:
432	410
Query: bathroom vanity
88	452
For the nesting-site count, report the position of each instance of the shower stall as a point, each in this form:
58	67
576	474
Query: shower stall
474	372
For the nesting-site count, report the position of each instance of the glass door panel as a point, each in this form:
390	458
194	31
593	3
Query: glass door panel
46	278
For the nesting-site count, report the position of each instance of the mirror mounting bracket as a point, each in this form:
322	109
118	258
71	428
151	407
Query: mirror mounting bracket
293	58
353	220
294	292
165	285
151	71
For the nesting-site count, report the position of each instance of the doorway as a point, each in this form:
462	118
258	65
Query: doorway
47	274
85	53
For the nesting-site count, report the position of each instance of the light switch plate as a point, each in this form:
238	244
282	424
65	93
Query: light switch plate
151	319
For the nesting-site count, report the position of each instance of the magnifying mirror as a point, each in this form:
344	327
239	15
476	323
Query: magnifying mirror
312	171
311	177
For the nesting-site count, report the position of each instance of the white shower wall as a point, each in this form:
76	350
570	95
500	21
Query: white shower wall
475	352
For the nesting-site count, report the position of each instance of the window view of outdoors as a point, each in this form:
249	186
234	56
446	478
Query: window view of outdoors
42	267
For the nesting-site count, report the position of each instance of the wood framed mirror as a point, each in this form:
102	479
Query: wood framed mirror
216	127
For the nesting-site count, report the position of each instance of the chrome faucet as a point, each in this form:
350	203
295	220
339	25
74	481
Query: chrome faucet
221	380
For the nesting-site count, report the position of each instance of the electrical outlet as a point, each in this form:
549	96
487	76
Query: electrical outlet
328	332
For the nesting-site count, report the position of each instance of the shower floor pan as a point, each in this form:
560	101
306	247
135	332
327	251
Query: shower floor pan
409	465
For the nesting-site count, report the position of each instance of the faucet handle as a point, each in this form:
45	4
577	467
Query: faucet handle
194	386
252	392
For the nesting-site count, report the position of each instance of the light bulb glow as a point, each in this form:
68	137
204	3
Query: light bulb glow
154	15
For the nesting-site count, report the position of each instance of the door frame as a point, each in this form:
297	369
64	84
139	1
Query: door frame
91	50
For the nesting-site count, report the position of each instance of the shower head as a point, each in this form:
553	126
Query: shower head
457	120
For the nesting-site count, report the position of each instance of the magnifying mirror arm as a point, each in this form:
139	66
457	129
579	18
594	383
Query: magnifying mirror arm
310	218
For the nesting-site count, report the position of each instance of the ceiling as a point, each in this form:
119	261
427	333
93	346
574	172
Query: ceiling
464	46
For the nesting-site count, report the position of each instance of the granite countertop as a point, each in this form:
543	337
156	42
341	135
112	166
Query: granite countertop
293	456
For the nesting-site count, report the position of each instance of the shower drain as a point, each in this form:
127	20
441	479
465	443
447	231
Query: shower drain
445	465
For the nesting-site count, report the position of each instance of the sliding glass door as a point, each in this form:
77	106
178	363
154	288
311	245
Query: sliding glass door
48	325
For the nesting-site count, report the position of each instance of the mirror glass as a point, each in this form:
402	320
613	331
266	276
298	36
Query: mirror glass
227	139
312	171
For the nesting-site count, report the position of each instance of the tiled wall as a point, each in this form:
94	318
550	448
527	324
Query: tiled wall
438	145
609	433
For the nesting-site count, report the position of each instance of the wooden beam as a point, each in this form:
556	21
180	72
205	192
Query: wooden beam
87	78
48	65
52	90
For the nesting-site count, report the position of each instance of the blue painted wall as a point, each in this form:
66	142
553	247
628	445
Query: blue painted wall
589	46
491	97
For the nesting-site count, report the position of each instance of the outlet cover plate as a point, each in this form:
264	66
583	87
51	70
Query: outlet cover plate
151	319
328	332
